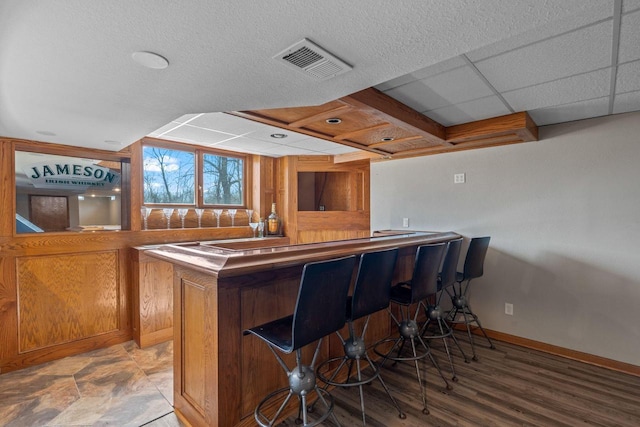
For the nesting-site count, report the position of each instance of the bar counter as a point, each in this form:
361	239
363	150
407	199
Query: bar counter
220	290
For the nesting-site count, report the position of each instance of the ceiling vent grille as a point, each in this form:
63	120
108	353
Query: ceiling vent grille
312	60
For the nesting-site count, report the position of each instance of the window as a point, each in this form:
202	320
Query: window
222	180
171	177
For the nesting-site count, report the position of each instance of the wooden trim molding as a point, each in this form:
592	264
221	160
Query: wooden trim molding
580	356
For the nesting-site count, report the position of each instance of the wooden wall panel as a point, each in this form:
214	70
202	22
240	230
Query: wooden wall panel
193	379
66	298
153	300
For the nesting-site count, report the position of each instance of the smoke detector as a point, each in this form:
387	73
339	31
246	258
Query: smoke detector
311	59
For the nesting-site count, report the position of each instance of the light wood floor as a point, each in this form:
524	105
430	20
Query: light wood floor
508	386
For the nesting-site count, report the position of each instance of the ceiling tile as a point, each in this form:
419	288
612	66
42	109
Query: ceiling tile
340	149
570	112
197	135
626	102
628	5
398	81
186	117
478	109
166	128
552	29
314	144
440	67
247	145
629	38
283	150
576	52
564	91
459	85
628	79
225	123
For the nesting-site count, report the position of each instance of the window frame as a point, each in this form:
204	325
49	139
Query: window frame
199	153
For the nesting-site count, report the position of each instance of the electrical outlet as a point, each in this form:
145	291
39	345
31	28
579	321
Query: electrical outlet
458	178
508	308
405	222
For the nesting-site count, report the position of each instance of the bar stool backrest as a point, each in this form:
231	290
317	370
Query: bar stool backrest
322	298
474	260
424	281
450	264
372	291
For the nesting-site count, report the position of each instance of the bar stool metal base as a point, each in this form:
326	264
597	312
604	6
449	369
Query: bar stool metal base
461	307
444	331
302	382
409	331
355	352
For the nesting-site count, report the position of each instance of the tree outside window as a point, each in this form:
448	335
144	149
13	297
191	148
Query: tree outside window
169	176
222	180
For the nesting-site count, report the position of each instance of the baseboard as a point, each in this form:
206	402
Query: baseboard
591	359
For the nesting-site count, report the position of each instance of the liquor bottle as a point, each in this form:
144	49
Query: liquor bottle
274	225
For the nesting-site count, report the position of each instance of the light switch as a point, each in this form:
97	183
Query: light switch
405	222
458	178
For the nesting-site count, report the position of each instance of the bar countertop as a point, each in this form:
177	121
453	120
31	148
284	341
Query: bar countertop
222	260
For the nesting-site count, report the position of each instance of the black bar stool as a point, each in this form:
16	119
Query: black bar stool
405	294
435	316
319	311
473	268
371	294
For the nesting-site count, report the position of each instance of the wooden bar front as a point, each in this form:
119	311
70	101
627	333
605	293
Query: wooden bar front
219	374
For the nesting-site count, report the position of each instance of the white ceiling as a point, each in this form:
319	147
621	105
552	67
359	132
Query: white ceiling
67	76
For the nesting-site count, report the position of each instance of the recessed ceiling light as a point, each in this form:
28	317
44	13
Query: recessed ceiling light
279	135
45	133
334	121
150	60
387	138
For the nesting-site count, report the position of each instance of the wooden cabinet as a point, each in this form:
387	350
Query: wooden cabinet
341	189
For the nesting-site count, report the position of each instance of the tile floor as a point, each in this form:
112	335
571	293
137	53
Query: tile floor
121	385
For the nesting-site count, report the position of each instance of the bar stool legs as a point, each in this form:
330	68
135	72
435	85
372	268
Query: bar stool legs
410	331
355	352
302	381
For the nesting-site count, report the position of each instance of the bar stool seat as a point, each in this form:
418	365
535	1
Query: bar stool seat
371	293
319	311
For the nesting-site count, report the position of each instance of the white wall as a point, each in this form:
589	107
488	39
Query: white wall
563	214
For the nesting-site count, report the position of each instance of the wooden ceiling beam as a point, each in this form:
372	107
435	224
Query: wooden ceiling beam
363	131
370	111
397	113
324	115
511	123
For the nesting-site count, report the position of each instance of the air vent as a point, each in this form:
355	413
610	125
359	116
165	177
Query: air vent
312	60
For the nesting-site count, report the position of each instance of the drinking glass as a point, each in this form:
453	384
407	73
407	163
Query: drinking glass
145	215
232	214
261	229
199	212
217	213
249	215
167	214
182	213
254	227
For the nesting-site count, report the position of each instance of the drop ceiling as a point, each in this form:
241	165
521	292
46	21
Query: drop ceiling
67	76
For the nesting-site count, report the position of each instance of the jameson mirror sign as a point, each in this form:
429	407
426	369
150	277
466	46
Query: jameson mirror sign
63	193
73	174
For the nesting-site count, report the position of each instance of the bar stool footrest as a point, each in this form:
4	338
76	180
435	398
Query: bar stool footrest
345	383
264	421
